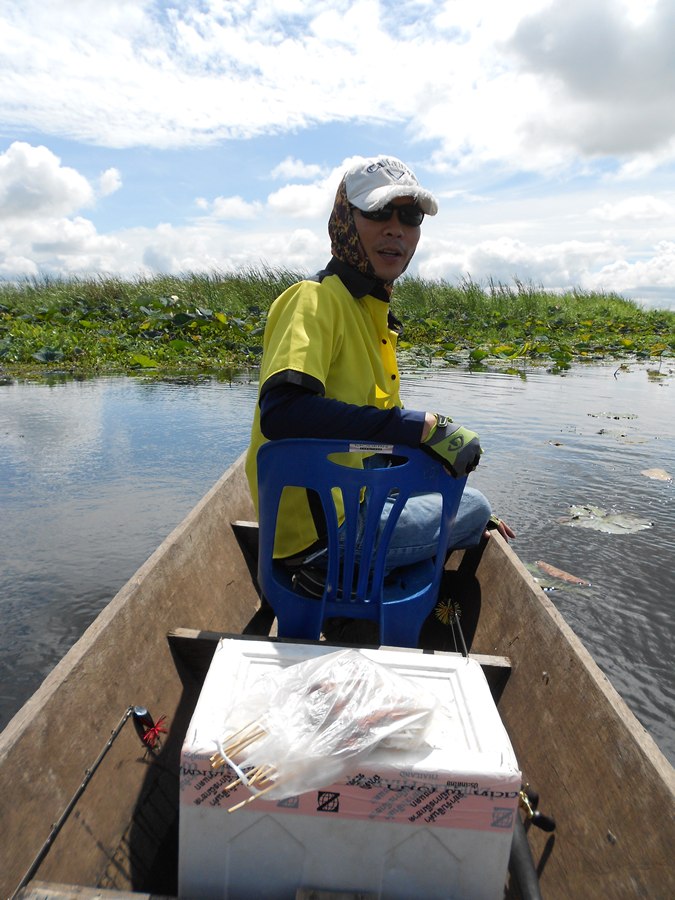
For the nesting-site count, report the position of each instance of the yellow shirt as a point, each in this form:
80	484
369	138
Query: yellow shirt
319	335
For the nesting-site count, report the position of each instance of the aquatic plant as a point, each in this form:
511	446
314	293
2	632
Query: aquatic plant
204	323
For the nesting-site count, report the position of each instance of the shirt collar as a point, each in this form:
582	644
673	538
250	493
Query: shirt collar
356	283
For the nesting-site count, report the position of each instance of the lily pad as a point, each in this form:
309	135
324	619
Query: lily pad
611	415
48	354
657	474
623	436
600	520
142	361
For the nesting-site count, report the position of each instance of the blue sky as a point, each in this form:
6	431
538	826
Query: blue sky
199	135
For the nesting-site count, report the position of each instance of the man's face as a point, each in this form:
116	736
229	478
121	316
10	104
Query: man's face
388	245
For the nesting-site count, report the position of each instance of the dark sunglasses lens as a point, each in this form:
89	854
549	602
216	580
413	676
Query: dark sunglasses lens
410	215
407	215
378	215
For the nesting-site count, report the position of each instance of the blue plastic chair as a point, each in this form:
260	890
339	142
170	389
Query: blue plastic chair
357	591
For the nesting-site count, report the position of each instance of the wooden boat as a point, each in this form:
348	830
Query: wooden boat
597	771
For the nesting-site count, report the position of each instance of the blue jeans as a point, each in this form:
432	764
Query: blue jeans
417	531
416	534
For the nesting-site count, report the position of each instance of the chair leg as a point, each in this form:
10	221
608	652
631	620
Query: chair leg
400	631
300	622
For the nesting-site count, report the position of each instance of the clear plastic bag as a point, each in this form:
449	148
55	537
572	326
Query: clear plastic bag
304	726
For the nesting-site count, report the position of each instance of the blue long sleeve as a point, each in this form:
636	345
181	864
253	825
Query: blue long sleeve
293	411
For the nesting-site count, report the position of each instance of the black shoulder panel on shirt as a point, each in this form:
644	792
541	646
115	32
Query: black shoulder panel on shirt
292	376
320	275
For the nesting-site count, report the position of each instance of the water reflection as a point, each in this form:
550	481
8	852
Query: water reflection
94	474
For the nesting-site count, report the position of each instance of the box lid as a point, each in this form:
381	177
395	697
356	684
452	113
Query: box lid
467	754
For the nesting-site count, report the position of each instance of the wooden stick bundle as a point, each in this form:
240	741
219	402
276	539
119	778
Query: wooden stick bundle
262	776
246	736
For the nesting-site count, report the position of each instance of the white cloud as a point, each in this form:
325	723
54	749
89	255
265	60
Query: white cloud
635	209
295	168
234	208
39	202
526	84
541	124
612	76
564	265
483	240
301	201
652	276
641	165
637	11
309	201
34	183
12	267
504	259
109	182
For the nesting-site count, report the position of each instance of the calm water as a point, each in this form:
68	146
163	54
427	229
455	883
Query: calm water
94	474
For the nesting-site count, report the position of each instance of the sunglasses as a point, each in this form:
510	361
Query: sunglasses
407	215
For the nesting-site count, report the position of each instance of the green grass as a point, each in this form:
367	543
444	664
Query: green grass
209	324
523	322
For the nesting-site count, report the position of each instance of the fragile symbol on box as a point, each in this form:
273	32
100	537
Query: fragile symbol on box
289	802
328	801
502	818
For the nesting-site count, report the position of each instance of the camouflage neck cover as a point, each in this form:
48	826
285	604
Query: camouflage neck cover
345	241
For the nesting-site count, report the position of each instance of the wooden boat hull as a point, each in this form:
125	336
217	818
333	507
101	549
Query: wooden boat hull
597	771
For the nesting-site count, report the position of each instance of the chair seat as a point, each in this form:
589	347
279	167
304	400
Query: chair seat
310	581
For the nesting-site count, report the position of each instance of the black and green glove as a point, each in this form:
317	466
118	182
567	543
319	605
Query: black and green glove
456	447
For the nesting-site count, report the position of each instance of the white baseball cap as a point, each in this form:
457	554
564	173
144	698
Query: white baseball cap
372	183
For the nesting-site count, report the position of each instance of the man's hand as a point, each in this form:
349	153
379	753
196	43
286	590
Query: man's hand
497	524
456	447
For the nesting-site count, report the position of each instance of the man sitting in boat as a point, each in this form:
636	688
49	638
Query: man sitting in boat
329	367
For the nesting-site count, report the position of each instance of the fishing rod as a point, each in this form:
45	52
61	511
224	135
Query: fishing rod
146	729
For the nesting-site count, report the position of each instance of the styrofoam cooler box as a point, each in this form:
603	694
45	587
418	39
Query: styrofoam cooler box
435	822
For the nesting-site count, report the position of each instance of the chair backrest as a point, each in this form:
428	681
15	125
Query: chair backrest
355	584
